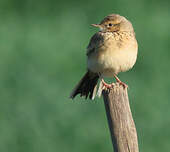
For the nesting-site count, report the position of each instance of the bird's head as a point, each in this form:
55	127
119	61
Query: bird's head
114	23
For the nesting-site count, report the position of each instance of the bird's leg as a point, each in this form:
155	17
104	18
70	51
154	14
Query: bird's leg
120	82
108	86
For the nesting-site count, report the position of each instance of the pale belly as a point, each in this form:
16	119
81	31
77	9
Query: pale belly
110	62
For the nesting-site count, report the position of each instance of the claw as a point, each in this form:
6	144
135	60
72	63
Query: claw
106	85
123	84
120	82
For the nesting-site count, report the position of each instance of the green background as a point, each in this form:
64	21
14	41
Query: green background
42	56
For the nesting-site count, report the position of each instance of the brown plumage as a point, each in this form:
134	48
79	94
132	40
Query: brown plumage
87	86
111	50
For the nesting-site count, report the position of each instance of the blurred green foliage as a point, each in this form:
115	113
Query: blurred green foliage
42	56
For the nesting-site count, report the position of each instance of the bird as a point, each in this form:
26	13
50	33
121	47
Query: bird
111	50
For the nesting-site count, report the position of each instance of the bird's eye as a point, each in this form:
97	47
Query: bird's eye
110	24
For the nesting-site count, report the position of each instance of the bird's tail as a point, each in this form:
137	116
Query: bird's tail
87	86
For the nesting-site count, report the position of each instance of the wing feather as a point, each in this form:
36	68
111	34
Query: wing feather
95	42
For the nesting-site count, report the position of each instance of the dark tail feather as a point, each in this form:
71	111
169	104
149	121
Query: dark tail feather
86	86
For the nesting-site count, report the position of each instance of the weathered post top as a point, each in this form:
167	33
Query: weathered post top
120	120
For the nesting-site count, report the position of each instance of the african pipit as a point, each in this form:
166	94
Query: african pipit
111	50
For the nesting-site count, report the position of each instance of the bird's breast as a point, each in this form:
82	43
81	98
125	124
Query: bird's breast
113	57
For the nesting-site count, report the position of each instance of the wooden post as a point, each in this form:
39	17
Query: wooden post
120	120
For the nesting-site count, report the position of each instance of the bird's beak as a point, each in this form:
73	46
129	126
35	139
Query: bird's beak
98	25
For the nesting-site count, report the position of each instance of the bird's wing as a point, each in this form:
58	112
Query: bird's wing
95	42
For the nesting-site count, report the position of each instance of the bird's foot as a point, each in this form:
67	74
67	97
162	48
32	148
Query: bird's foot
123	84
106	85
120	82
